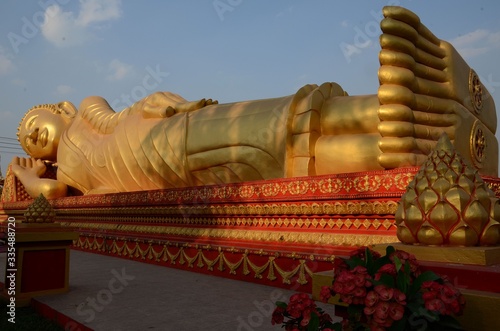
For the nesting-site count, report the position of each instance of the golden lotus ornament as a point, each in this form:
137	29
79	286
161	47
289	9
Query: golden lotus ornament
448	203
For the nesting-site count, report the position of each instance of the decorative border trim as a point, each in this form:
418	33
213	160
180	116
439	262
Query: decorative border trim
178	254
373	184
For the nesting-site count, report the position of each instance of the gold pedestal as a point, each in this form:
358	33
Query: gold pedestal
483	256
41	262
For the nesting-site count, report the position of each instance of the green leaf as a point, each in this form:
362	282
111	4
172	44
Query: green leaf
449	323
386	280
399	325
354	262
354	310
313	323
379	263
337	326
369	260
401	281
389	250
424	277
414	307
281	304
397	263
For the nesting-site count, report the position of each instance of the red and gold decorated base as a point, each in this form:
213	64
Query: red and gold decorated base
276	232
42	261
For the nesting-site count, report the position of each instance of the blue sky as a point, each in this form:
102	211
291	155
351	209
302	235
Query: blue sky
229	50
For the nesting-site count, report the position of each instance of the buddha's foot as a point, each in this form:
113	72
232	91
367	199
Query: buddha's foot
426	88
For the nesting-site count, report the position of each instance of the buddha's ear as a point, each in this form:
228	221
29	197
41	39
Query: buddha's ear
67	109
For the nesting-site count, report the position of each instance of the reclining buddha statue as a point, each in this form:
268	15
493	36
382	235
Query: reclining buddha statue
164	141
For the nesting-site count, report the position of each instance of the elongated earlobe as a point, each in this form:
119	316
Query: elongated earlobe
67	109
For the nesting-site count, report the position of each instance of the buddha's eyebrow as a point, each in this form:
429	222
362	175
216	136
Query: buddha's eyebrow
31	120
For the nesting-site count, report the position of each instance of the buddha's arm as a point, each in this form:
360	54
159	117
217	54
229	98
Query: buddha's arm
99	114
28	171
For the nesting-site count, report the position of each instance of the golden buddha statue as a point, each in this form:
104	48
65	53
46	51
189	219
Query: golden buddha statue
164	141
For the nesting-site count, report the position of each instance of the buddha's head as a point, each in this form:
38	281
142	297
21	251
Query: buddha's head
41	128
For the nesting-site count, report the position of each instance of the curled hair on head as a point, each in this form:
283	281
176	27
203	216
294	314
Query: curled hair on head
64	108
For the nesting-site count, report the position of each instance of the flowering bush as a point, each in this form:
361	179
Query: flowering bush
383	292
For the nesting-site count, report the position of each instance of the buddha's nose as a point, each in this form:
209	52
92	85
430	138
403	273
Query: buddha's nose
34	135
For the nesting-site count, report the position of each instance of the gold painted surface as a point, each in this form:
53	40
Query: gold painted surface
458	255
271	209
448	203
165	141
119	222
311	238
48	235
481	312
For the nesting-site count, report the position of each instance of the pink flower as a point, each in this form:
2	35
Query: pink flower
325	293
403	257
339	265
301	305
388	269
381	310
359	292
361	252
369	310
375	327
435	305
371	299
278	316
385	293
360	274
396	311
400	297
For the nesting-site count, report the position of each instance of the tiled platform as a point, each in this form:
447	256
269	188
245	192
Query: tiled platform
114	294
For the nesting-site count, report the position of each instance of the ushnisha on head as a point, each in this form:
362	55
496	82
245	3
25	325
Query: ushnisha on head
41	128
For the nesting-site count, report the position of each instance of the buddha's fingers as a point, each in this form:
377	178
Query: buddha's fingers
406	145
396	129
394	27
395	112
389	74
402	45
402	113
435	120
402	14
433	133
397	59
406	16
396	94
397	160
437	105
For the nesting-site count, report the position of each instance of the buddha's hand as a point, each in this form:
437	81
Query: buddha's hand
159	105
25	168
166	104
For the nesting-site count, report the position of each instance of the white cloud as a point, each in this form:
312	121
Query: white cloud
476	43
98	11
6	65
118	70
470	38
68	29
64	90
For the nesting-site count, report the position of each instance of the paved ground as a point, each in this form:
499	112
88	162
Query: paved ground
113	294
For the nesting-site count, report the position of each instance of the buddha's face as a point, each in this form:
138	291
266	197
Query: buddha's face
40	131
